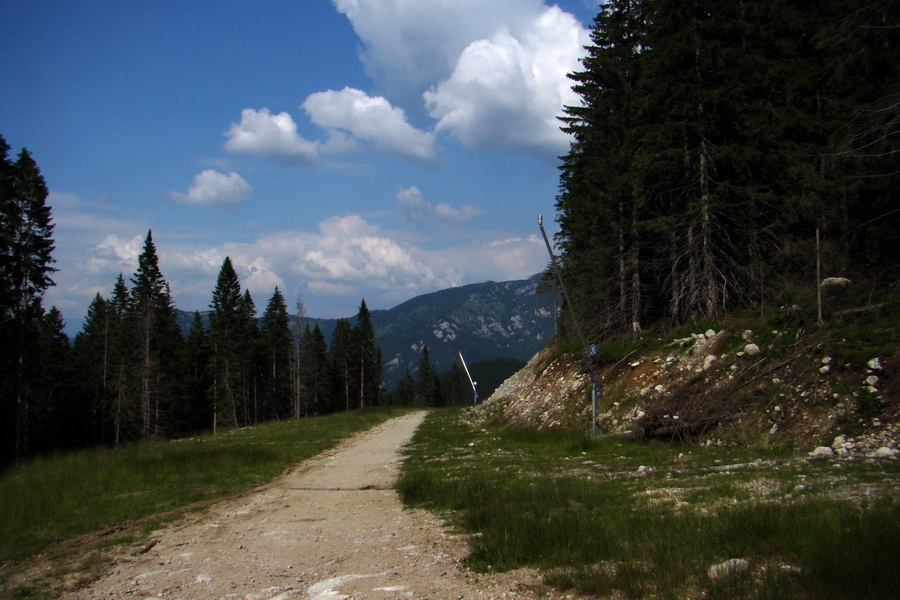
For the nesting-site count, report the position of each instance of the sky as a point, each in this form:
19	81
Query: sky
340	150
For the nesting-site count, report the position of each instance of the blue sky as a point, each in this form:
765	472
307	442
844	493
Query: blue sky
339	149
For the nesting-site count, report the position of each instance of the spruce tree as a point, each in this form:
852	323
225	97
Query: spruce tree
226	337
275	346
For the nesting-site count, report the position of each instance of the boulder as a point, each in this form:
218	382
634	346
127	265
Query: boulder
821	452
751	349
729	567
834	282
884	452
874	364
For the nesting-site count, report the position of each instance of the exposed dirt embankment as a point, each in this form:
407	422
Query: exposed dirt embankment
735	385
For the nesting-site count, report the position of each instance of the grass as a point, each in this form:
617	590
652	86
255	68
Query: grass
578	510
85	492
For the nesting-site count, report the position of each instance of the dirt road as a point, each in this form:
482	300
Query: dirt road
330	528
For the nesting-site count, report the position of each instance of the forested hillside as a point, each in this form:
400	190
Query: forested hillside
730	155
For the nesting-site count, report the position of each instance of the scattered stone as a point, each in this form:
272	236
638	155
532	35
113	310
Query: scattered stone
827	360
204	578
751	349
710	333
839	442
871	380
642	469
747	335
727	568
821	452
825	369
874	364
884	452
709	360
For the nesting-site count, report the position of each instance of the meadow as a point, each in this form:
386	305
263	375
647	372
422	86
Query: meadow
626	519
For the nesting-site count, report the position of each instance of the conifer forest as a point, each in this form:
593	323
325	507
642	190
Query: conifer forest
725	156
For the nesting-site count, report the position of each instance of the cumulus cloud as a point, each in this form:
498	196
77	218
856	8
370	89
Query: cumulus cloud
212	188
408	45
370	119
421	212
262	133
507	91
492	74
332	267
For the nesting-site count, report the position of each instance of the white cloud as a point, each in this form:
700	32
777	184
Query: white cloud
408	45
421	212
262	133
507	91
212	188
370	119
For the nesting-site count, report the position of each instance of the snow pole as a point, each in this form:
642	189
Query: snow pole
472	383
588	350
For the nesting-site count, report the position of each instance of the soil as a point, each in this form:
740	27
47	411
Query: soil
330	528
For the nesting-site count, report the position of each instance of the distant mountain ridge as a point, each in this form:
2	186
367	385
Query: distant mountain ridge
482	320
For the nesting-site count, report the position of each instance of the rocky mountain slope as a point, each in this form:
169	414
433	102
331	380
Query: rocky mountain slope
743	381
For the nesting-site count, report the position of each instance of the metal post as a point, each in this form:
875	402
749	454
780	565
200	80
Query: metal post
472	383
595	388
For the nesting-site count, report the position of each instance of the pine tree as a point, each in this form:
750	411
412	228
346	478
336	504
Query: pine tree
367	359
428	389
275	340
197	380
26	247
152	315
342	366
226	335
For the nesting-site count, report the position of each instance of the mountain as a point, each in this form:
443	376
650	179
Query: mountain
483	321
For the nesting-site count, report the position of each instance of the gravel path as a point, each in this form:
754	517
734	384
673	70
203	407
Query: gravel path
330	528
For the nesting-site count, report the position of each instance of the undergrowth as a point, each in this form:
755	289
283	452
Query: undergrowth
627	519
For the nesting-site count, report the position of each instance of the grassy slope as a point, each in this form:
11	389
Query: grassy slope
580	511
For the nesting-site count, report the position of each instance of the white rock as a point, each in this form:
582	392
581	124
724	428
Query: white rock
821	452
839	442
729	567
872	380
874	364
642	469
709	360
751	349
204	578
835	282
825	369
827	360
774	429
747	335
884	452
710	333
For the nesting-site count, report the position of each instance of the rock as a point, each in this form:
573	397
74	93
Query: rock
825	369
710	333
839	442
827	360
729	567
872	380
642	469
834	282
874	364
204	578
751	349
884	452
709	360
821	452
747	335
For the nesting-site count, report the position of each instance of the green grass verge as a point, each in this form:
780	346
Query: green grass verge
577	510
82	492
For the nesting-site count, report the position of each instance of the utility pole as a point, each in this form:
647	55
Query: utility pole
588	350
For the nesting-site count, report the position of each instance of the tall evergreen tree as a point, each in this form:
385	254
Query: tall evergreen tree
153	318
342	366
428	389
368	362
226	336
276	342
26	247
